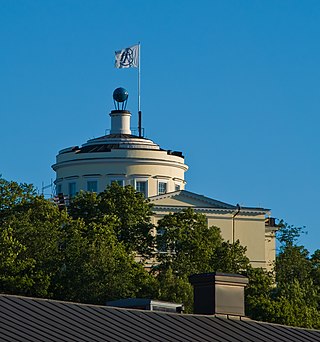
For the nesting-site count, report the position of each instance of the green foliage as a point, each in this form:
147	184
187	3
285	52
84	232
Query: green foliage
86	205
287	303
131	210
261	282
191	247
293	264
175	288
259	303
291	304
14	274
96	267
230	258
47	253
294	297
296	305
315	264
30	227
289	234
13	194
87	255
189	243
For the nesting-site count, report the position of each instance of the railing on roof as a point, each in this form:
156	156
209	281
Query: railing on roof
134	131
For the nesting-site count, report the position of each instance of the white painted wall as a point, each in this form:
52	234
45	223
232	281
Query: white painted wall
131	159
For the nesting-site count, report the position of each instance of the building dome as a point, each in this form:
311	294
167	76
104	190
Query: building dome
119	157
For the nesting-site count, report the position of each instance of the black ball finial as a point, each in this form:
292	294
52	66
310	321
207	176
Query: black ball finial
120	94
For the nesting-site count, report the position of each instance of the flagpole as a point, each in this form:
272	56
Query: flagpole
139	90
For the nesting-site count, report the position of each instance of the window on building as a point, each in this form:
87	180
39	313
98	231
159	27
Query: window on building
72	189
162	188
141	186
177	187
92	186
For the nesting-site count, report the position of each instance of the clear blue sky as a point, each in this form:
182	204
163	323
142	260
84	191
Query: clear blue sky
235	85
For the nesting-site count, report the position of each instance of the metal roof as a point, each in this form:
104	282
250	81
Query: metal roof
29	319
209	202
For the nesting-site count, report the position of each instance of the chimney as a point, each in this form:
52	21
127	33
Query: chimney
218	293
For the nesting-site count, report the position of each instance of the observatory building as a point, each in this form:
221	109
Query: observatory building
119	157
159	174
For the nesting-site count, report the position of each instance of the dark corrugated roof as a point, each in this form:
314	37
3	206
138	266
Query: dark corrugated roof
126	136
30	319
94	148
97	148
208	203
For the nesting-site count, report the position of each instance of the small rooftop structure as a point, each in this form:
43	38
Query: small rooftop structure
219	293
146	304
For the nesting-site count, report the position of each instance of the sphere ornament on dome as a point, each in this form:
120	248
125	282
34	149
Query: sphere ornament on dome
120	97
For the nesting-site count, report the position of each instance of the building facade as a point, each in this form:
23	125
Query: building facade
119	157
160	175
246	224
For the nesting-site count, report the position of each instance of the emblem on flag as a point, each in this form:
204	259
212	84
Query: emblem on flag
128	57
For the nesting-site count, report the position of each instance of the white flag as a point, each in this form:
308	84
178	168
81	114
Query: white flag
128	58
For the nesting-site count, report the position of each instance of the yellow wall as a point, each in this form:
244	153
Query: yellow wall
153	166
250	230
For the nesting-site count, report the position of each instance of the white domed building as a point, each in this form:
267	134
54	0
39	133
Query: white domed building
159	174
119	157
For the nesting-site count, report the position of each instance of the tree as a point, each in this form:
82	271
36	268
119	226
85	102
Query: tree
12	195
14	277
187	246
258	301
193	247
288	234
295	305
87	255
175	288
293	299
315	264
96	267
292	264
290	304
30	228
230	258
123	204
47	253
188	243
